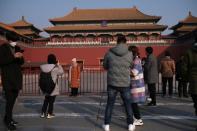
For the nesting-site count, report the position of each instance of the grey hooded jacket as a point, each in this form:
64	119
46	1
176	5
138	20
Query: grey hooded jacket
117	62
58	70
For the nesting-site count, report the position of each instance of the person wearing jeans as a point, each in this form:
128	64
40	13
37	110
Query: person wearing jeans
125	95
117	62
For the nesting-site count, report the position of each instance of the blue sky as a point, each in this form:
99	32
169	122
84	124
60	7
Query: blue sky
39	11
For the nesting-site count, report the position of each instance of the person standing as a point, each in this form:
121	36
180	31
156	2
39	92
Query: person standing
190	72
56	69
0	79
182	85
74	77
11	59
151	74
137	85
118	61
167	69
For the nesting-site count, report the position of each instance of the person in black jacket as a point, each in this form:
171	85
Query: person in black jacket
189	71
151	74
182	85
11	59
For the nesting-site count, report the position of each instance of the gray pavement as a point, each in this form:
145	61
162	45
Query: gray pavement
80	114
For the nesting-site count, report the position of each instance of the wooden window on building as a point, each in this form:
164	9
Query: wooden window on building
154	36
143	36
131	37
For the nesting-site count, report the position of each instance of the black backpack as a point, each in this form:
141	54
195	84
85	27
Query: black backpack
46	83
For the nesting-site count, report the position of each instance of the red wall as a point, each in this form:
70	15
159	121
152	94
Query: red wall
90	55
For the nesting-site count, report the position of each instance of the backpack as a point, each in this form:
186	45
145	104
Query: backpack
46	83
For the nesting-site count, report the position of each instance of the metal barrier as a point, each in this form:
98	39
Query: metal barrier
93	80
31	83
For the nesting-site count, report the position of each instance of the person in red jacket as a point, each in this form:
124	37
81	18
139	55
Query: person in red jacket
74	77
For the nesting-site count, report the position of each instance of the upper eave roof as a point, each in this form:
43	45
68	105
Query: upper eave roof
186	28
105	14
190	19
8	28
23	23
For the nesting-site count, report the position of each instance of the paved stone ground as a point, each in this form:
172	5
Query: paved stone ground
80	114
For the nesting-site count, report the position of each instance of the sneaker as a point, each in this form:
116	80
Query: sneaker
149	99
138	122
49	116
14	122
11	127
131	127
106	127
42	115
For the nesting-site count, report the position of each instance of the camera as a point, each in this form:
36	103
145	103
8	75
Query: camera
18	49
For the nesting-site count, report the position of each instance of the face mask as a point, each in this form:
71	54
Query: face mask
13	44
195	44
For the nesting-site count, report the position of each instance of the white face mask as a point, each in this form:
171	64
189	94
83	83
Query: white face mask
13	44
195	44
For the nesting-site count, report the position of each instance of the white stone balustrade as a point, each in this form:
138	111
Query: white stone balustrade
100	43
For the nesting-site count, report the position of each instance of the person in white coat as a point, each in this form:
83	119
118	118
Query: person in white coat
56	70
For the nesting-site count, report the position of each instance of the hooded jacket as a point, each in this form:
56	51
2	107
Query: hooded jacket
55	71
118	61
189	68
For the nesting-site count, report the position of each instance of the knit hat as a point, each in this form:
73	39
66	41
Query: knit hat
74	60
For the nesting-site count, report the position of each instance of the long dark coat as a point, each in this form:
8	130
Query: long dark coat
189	69
151	70
10	68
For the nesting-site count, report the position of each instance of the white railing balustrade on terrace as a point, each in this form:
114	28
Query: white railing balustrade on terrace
101	43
